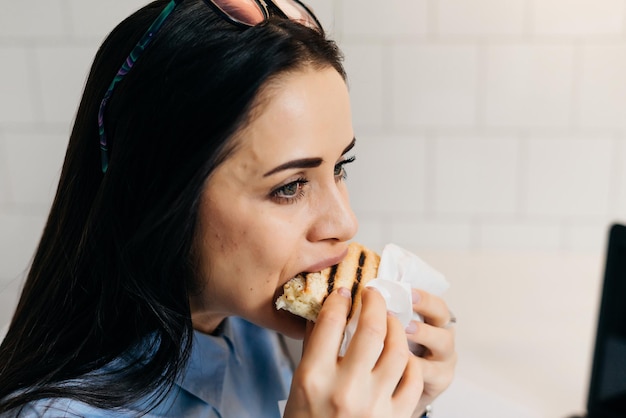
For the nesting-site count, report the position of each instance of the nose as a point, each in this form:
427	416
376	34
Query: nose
334	218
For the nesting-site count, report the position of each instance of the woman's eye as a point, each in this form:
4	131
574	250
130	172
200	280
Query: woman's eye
290	189
340	170
290	192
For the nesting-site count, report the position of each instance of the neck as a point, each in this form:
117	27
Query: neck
203	319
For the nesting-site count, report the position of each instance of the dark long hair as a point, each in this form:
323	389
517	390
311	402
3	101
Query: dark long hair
114	268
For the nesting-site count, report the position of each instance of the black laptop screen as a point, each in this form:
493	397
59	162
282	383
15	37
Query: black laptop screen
607	391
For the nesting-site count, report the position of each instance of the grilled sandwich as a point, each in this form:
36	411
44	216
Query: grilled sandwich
304	294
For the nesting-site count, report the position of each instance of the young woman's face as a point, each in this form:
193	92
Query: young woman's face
278	205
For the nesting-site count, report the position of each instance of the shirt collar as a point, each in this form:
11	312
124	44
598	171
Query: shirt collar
207	365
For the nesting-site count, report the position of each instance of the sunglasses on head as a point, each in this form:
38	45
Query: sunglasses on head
242	13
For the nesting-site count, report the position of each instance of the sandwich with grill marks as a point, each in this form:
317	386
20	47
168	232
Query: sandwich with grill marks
304	294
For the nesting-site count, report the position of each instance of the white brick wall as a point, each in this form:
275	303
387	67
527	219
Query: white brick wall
92	19
366	18
483	125
36	20
480	17
602	97
528	85
475	176
393	172
17	89
62	75
365	65
578	17
569	178
433	85
619	177
34	165
420	235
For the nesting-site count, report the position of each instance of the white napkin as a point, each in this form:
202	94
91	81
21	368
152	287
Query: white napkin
399	271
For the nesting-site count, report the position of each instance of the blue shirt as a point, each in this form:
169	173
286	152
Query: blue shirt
243	372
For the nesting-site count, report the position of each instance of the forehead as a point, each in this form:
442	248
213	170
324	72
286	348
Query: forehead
300	114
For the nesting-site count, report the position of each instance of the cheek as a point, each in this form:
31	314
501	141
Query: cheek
222	226
248	244
239	247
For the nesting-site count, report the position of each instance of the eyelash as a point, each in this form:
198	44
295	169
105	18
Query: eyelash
279	196
342	170
278	193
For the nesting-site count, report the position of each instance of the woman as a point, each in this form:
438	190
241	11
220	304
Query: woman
220	175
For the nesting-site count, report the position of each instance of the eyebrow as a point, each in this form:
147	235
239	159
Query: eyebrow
305	162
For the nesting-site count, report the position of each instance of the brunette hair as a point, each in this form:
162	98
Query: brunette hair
114	268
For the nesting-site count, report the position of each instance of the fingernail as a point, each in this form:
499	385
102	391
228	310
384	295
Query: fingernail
415	296
344	292
412	328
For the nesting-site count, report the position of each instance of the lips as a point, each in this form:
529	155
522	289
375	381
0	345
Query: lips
326	263
321	265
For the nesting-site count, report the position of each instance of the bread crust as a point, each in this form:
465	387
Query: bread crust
304	294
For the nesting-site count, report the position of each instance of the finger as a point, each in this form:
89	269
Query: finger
438	341
367	341
322	340
437	375
432	308
393	360
307	334
409	390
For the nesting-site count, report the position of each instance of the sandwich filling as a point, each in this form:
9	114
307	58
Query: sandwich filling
304	294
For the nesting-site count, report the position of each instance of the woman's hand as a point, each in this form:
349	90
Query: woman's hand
436	335
377	377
